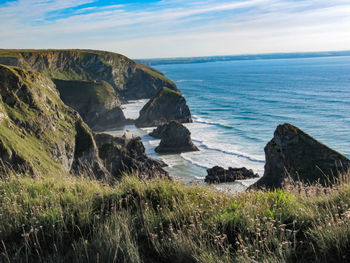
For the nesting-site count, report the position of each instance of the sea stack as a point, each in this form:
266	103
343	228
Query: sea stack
295	154
166	106
175	138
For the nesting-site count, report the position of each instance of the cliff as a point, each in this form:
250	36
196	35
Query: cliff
97	102
39	134
95	83
164	107
131	80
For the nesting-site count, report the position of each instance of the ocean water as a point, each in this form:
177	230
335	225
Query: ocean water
237	105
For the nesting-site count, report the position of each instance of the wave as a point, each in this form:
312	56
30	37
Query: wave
189	80
225	151
198	164
200	120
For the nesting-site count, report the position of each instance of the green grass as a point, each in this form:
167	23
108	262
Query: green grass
68	219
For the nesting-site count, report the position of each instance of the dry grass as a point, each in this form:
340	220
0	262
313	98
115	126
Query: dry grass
67	219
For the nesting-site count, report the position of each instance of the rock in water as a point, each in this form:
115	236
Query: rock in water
294	153
158	132
166	106
127	155
218	174
175	138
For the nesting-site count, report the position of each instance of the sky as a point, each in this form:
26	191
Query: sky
177	28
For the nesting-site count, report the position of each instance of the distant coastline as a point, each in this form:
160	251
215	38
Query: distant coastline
188	60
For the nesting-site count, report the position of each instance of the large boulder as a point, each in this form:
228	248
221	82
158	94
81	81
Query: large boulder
218	174
166	106
126	154
39	134
175	138
294	154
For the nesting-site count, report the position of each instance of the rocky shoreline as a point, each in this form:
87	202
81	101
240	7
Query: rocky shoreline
52	101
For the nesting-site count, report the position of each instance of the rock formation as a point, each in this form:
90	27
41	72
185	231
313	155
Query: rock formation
158	132
92	76
131	80
127	155
39	134
218	174
97	102
166	106
295	154
175	138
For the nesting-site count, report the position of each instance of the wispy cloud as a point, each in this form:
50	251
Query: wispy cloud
177	27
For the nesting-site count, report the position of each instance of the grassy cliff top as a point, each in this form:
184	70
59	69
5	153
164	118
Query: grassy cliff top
68	219
83	54
17	52
129	78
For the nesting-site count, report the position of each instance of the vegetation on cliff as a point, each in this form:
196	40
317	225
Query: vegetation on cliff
51	216
67	219
95	83
130	79
39	134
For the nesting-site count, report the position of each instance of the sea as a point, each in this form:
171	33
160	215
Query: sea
237	105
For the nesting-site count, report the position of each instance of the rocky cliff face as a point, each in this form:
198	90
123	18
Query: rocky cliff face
100	81
131	80
127	155
175	138
166	106
294	153
39	134
97	102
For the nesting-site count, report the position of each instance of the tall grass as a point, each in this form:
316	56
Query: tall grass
67	219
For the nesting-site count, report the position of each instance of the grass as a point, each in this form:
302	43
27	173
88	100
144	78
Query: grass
69	219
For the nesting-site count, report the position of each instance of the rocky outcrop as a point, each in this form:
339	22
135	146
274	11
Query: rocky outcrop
131	80
294	154
127	155
175	138
158	132
39	134
97	102
91	75
218	174
166	106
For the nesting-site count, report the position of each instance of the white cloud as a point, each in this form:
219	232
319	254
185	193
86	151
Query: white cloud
177	28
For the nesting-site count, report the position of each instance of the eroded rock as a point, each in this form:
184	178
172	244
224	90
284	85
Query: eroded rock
219	174
166	106
295	154
175	138
126	155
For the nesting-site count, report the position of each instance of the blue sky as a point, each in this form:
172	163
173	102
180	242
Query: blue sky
177	28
